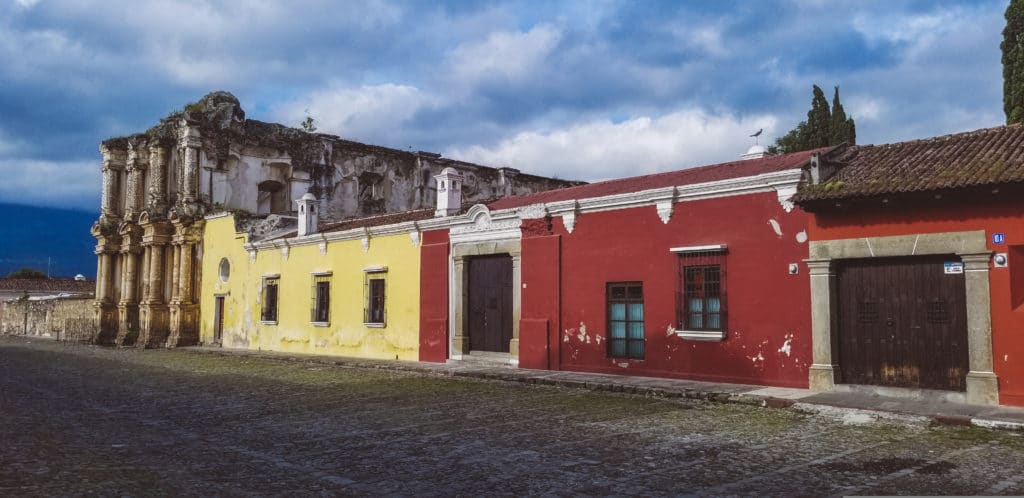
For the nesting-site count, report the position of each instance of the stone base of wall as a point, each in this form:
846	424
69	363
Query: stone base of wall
59	319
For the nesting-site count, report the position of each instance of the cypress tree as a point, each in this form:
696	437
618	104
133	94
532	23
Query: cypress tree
821	129
819	121
1013	62
839	121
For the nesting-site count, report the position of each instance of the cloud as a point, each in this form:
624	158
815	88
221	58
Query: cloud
503	56
368	112
603	149
69	184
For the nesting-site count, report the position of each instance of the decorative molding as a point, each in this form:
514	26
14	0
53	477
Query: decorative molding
569	220
414	236
706	248
376	269
323	247
664	210
284	252
252	255
532	212
786	193
701	335
365	240
484	225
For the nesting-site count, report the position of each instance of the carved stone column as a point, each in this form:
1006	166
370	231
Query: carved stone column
113	164
136	163
158	179
154	317
183	308
189	142
106	308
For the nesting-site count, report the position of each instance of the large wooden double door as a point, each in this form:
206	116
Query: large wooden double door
489	310
903	322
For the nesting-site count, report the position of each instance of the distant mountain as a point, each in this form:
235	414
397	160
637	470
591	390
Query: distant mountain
31	235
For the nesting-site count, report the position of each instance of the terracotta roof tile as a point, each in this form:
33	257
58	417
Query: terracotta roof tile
689	176
47	285
991	156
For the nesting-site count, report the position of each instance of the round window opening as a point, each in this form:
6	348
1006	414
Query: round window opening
224	269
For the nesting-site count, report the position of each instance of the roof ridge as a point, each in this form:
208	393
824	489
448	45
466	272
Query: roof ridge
940	138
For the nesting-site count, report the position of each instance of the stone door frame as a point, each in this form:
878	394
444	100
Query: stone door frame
970	246
461	252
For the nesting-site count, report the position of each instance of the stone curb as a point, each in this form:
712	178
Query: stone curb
527	377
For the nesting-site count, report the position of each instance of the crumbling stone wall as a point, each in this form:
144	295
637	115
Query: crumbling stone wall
70	319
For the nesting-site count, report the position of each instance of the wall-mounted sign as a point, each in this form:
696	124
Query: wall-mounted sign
952	267
999	238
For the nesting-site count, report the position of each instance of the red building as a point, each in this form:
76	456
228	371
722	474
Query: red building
917	266
692	274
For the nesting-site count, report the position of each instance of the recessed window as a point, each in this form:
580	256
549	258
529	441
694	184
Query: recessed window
224	269
375	285
626	320
702	306
270	288
321	307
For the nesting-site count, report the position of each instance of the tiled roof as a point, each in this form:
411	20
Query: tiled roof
378	220
47	285
367	222
986	157
689	176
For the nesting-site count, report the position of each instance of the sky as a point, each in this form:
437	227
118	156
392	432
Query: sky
576	90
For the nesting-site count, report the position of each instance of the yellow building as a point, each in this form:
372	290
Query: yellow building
349	288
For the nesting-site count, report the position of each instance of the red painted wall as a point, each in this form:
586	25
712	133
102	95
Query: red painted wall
1005	283
769	310
434	296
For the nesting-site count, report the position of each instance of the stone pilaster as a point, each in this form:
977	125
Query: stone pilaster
823	374
982	383
128	305
460	336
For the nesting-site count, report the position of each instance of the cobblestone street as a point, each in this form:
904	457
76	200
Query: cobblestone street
85	420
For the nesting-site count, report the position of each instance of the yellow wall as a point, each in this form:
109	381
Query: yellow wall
346	335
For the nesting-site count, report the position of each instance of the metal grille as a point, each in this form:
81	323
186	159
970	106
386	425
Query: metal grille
625	320
937	312
702	303
867	312
321	294
269	300
375	290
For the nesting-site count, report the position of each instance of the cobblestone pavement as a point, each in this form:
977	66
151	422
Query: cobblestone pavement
77	420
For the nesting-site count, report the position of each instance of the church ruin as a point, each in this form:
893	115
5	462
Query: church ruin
159	185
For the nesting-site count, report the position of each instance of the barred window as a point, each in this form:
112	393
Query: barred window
269	313
625	320
320	311
375	313
702	300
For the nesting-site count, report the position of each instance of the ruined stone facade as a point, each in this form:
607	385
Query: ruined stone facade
158	185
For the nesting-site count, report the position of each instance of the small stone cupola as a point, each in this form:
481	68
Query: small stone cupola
449	192
308	216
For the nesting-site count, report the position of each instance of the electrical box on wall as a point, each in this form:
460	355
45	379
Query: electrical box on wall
1001	260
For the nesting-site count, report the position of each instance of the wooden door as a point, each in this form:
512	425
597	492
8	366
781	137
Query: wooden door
489	310
902	323
218	319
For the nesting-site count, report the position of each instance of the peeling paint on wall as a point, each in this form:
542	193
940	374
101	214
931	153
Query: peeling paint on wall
786	346
775	227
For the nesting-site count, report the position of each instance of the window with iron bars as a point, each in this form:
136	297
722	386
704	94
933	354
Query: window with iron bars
269	312
702	300
374	313
320	311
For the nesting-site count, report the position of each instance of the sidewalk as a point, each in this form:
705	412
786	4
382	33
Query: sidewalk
853	405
